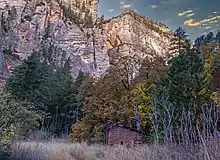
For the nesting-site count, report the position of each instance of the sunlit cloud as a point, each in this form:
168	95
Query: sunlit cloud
184	13
126	6
190	15
194	23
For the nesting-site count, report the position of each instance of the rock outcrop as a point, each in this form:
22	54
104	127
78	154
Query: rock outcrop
85	8
33	20
133	35
72	26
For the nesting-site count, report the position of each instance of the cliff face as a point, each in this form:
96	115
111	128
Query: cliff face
83	7
29	25
133	35
26	23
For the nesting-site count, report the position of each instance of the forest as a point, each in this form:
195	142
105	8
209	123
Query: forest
178	102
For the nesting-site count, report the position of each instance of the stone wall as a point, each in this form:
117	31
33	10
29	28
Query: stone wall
122	136
216	80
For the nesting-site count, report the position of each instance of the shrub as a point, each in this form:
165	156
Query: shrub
16	118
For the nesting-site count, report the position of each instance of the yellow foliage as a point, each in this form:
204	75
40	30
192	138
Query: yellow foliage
209	69
144	103
80	131
215	96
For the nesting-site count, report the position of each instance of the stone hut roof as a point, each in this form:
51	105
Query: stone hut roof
109	126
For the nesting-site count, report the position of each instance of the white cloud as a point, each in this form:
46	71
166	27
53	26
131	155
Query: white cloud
190	15
153	6
126	6
213	21
184	13
123	5
111	10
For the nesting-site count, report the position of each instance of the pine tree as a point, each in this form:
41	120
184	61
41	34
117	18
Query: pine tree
26	78
199	41
218	37
50	89
179	43
79	98
209	38
184	80
181	34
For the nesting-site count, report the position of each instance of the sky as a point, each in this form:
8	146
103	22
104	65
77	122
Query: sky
197	17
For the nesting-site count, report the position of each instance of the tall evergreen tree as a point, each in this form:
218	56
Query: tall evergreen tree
26	78
199	41
218	37
179	43
181	34
209	38
184	80
50	90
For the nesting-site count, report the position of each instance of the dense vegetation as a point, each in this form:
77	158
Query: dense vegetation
52	91
177	102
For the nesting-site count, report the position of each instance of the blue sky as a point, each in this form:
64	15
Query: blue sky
196	16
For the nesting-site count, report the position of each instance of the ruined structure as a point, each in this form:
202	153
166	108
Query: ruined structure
120	134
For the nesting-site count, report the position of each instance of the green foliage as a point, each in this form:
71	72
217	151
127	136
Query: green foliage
16	119
211	65
184	80
183	92
112	98
108	99
50	89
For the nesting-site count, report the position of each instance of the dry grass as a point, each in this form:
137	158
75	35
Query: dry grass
82	151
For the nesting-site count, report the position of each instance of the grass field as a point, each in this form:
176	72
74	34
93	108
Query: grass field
210	150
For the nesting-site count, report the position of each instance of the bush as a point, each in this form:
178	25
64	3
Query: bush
16	119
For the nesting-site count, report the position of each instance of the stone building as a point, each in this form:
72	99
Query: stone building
216	80
120	134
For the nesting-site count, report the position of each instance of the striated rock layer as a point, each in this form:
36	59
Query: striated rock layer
33	19
92	45
135	35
